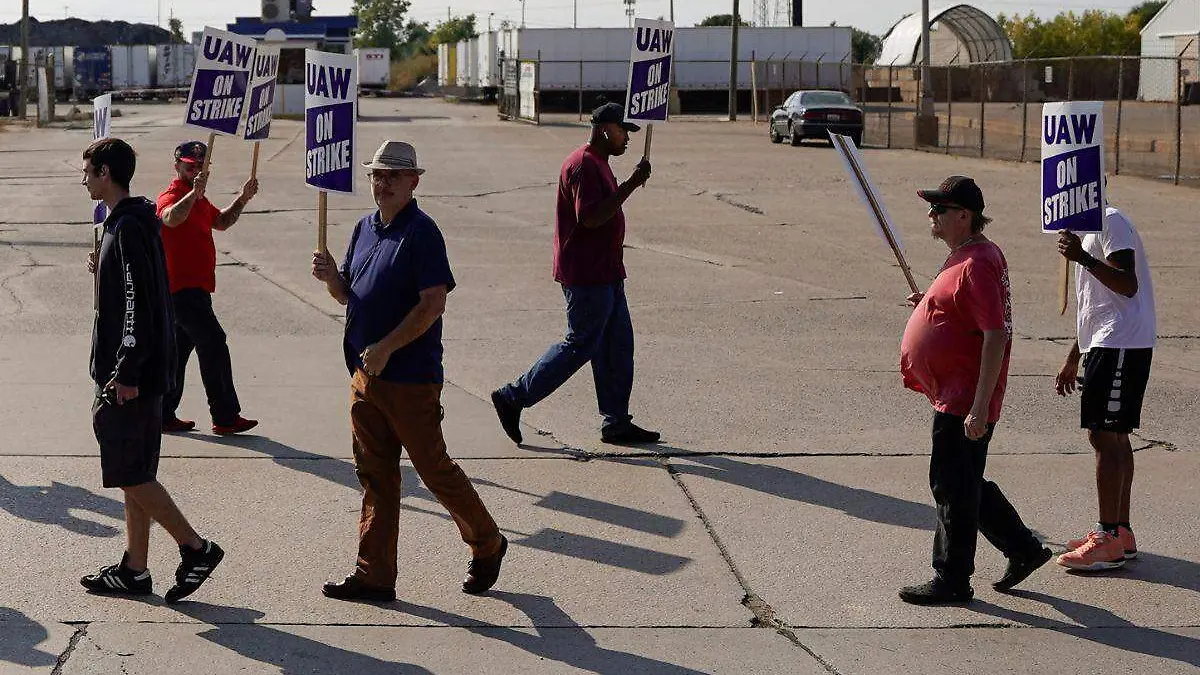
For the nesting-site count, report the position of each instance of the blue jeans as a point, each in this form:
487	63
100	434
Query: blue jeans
598	330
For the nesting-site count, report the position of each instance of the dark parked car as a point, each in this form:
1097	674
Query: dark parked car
811	114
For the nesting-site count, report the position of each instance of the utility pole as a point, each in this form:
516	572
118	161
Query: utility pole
575	19
926	121
797	12
672	17
23	71
733	63
522	13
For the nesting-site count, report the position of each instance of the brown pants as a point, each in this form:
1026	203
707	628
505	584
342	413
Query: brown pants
384	417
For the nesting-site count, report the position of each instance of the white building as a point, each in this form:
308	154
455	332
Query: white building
1174	31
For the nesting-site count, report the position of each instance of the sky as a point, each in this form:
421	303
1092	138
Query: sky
875	16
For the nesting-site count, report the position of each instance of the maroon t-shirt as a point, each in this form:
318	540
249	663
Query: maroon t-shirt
584	257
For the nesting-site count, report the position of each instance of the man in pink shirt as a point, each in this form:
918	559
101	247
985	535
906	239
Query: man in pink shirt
955	351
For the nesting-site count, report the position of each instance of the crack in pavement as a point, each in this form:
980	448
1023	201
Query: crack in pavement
23	270
78	635
764	614
725	199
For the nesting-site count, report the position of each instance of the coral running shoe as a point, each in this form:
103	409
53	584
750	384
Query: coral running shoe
1101	551
1123	533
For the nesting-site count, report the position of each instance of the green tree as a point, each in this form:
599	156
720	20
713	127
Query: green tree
864	47
454	30
1092	33
1145	11
417	40
723	20
176	26
380	23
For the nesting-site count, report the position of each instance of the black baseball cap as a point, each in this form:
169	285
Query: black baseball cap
191	152
958	190
612	113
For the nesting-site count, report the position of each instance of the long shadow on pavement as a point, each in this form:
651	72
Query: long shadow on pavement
234	629
800	487
53	504
559	638
1100	626
19	638
624	556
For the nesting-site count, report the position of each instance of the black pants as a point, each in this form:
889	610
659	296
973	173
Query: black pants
967	504
196	327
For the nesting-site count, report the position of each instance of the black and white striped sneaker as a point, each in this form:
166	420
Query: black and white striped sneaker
118	579
194	569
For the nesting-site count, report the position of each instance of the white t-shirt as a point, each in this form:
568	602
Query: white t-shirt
1107	318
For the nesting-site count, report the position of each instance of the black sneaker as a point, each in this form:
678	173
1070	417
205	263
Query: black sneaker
194	569
118	579
509	414
1021	567
628	434
935	592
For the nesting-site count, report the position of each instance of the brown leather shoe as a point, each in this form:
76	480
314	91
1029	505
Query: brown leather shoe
483	572
352	588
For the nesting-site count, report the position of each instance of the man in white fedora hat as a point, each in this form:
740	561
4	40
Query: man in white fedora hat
394	281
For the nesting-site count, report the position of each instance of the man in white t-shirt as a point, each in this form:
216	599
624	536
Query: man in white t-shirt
1116	338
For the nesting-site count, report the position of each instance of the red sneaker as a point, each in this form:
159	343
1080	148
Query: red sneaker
177	426
239	425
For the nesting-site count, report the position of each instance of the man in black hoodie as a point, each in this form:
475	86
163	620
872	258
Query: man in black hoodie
132	364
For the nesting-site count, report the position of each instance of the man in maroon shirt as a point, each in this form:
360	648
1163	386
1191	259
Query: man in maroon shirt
589	235
955	351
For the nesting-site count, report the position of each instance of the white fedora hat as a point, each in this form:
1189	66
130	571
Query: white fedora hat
395	155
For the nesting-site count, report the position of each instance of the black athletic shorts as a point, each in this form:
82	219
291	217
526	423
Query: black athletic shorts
130	438
1113	385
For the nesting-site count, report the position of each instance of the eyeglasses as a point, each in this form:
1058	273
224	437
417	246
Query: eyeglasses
940	209
387	176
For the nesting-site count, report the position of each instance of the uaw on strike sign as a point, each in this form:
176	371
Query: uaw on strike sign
330	94
219	85
1073	166
650	71
262	93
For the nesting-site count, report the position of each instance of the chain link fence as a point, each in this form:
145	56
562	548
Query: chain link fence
993	110
990	110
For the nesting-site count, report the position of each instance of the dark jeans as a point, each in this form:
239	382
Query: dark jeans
599	331
967	504
196	327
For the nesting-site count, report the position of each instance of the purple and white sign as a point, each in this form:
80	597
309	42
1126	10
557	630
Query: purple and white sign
330	97
261	102
101	128
649	91
219	85
1073	166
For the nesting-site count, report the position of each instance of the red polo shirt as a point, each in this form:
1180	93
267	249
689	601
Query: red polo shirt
583	256
191	253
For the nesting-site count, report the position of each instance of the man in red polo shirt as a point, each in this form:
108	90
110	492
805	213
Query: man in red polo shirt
189	220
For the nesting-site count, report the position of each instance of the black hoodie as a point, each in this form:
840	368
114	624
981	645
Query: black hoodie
133	337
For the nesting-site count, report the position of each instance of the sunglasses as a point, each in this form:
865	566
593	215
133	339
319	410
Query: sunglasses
940	209
388	176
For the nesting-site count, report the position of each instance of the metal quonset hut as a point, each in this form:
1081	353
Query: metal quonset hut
968	33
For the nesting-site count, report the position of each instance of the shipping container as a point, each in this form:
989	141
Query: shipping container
374	68
63	67
93	72
175	65
462	64
597	59
131	67
488	70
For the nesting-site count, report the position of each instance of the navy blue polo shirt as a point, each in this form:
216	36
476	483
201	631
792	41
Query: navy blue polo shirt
387	266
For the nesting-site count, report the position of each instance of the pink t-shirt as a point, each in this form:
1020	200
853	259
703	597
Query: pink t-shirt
943	341
583	256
